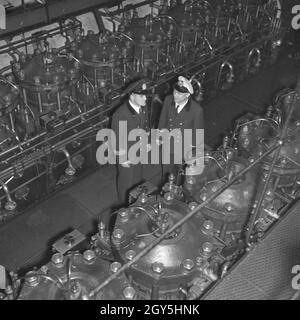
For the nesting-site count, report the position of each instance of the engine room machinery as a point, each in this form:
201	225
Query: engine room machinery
56	94
228	207
175	244
199	32
71	277
190	254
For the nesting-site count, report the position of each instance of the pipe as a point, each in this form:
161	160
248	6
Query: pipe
208	43
53	278
70	170
199	96
143	210
69	272
170	18
10	204
35	178
258	59
58	96
8	172
31	40
223	65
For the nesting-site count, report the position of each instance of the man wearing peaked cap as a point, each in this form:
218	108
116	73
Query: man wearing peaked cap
183	85
135	112
181	112
138	87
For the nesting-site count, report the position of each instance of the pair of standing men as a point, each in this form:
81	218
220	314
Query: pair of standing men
179	111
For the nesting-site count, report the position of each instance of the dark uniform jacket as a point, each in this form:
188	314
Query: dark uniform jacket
134	121
127	178
190	117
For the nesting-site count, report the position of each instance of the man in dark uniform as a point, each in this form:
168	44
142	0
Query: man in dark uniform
135	113
181	112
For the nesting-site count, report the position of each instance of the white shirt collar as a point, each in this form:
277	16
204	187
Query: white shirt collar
180	106
135	107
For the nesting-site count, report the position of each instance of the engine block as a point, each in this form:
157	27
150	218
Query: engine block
72	277
189	255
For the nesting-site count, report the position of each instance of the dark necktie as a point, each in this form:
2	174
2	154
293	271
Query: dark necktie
142	117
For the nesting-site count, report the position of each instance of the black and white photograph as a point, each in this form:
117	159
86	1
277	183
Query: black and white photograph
149	151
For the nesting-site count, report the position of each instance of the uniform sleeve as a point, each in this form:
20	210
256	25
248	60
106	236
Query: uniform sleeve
116	129
198	124
163	115
198	120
